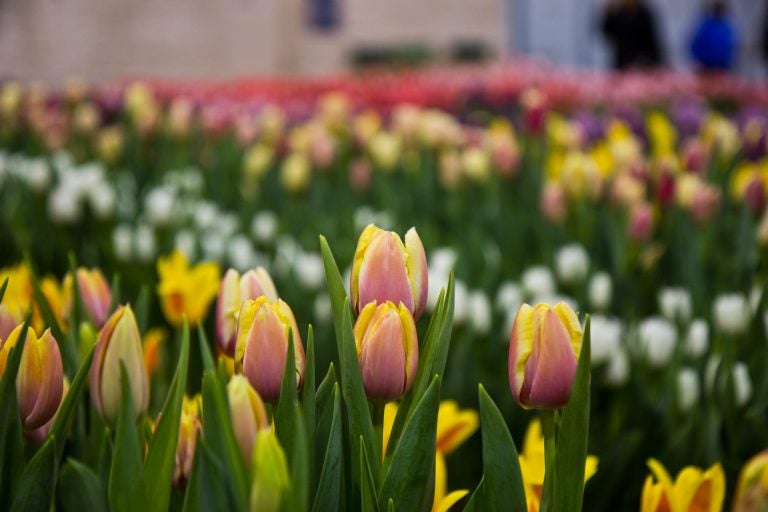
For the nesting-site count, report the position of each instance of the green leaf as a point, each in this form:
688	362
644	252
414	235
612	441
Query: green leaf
219	435
11	442
3	288
477	496
337	293
299	495
125	475
68	407
360	424
284	418
369	501
79	489
37	483
410	477
158	469
573	436
141	308
308	400
325	388
207	489
116	293
205	349
433	354
328	495
503	482
391	505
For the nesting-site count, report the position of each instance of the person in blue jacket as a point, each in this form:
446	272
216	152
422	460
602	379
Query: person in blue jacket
714	42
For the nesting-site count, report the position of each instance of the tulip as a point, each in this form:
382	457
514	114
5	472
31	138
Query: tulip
543	354
262	345
249	416
8	321
186	290
270	474
233	292
94	292
189	428
39	382
387	350
752	489
693	489
119	341
640	222
385	269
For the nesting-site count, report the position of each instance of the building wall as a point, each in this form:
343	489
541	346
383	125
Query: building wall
104	39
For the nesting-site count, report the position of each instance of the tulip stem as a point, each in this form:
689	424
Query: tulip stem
377	416
548	427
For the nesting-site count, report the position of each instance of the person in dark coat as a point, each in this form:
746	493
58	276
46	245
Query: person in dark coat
714	41
630	28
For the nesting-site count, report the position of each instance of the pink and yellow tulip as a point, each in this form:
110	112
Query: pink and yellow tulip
249	416
387	350
543	354
385	269
263	329
235	290
94	292
694	489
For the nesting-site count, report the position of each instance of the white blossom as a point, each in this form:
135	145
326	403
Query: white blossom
687	388
572	263
600	291
657	337
731	313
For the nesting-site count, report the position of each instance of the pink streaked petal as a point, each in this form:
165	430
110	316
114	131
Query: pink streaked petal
265	352
383	275
552	365
382	360
417	270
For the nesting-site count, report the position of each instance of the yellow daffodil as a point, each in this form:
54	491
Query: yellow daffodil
454	426
186	290
694	489
662	134
532	465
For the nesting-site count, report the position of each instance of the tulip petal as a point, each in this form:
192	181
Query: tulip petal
40	381
520	347
550	370
416	264
383	276
265	347
362	245
382	360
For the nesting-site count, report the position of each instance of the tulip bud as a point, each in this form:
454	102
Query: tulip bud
94	292
233	292
543	354
119	341
39	381
752	489
387	349
262	345
386	270
270	474
249	416
640	222
189	428
552	203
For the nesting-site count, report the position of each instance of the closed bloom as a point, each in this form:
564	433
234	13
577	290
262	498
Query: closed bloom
731	313
752	489
94	292
189	428
387	350
693	490
39	382
249	416
543	354
235	290
263	329
119	341
186	290
270	473
385	269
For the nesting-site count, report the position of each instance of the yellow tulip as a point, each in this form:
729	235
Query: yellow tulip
694	489
752	489
532	465
186	290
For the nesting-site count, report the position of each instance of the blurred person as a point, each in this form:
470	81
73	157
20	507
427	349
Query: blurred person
714	40
630	28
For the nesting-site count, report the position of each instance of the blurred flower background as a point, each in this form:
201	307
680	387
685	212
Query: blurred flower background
638	197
